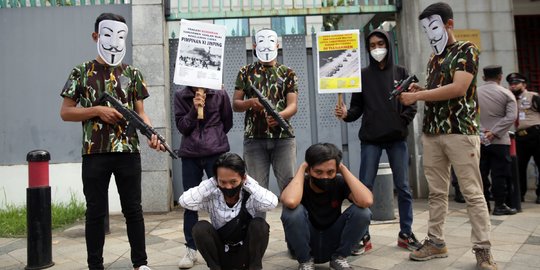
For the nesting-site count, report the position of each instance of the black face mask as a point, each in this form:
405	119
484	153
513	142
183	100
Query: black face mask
231	192
324	183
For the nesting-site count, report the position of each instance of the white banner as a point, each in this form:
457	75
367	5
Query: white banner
338	56
199	61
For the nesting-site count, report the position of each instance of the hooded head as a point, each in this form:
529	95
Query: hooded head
377	44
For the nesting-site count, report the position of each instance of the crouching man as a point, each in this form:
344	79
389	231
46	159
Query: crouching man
315	228
234	239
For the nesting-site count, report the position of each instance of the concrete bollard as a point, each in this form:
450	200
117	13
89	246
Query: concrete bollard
383	194
38	211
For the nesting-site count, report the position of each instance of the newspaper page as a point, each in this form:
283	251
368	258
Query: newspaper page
338	56
199	61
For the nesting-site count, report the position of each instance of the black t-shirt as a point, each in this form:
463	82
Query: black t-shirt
324	208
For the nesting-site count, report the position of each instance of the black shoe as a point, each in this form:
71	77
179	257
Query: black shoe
503	209
459	198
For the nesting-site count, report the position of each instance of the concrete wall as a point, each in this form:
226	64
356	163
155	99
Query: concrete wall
150	54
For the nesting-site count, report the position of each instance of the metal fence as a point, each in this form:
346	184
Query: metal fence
57	3
213	9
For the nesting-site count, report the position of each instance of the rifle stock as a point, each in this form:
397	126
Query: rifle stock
135	122
270	110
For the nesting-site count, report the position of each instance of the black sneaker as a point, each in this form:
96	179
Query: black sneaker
503	209
408	241
362	247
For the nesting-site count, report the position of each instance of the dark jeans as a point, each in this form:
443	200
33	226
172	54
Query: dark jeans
96	174
246	256
192	173
495	161
307	242
527	146
398	157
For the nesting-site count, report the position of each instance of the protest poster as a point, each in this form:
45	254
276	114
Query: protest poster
338	57
199	61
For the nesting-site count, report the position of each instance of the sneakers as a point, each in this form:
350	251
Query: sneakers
408	241
144	267
189	259
309	265
340	263
503	209
362	247
429	250
484	260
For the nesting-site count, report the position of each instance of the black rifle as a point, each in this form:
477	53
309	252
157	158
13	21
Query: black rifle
135	122
403	86
270	110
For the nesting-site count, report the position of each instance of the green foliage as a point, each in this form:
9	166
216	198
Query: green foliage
13	218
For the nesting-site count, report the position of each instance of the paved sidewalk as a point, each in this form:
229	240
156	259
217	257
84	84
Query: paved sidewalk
515	239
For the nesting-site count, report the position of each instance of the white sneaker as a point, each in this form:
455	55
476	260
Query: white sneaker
189	259
144	267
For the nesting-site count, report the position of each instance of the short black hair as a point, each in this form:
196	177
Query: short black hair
322	152
230	161
108	16
492	72
442	9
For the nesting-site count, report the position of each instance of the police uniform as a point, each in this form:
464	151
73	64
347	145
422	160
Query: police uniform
527	130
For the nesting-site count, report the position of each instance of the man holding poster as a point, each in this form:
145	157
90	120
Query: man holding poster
202	112
265	142
384	127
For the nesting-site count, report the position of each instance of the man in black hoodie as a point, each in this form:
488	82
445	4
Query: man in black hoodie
384	126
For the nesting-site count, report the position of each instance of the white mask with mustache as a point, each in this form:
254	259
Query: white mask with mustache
267	45
436	32
111	44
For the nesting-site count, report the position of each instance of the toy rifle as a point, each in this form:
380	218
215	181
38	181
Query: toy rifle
270	110
135	122
403	86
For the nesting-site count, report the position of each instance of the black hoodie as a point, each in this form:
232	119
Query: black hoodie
383	120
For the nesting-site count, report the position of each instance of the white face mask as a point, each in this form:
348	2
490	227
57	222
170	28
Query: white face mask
111	44
267	45
378	53
436	32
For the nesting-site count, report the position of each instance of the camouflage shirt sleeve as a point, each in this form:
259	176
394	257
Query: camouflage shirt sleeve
72	87
240	80
291	83
468	59
139	85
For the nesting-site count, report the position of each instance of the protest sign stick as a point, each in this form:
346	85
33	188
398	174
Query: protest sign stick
339	99
200	109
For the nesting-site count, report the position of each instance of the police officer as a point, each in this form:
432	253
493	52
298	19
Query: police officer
527	128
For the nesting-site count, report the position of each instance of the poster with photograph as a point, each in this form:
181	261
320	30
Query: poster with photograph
338	57
199	61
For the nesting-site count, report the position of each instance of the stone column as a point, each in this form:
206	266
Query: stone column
150	55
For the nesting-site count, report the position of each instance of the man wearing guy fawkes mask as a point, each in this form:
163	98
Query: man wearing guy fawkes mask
451	134
265	142
234	239
107	149
527	129
315	228
384	127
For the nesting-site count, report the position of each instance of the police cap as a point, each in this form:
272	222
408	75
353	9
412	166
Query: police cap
515	78
492	71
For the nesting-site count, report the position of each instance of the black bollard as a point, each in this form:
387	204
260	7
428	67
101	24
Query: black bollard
38	211
515	190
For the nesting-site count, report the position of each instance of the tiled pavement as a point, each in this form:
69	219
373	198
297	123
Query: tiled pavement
515	239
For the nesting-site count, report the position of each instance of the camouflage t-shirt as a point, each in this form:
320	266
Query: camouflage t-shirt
458	115
85	85
274	82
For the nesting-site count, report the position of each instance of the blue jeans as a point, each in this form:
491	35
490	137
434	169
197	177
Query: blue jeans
259	154
398	156
192	173
306	242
